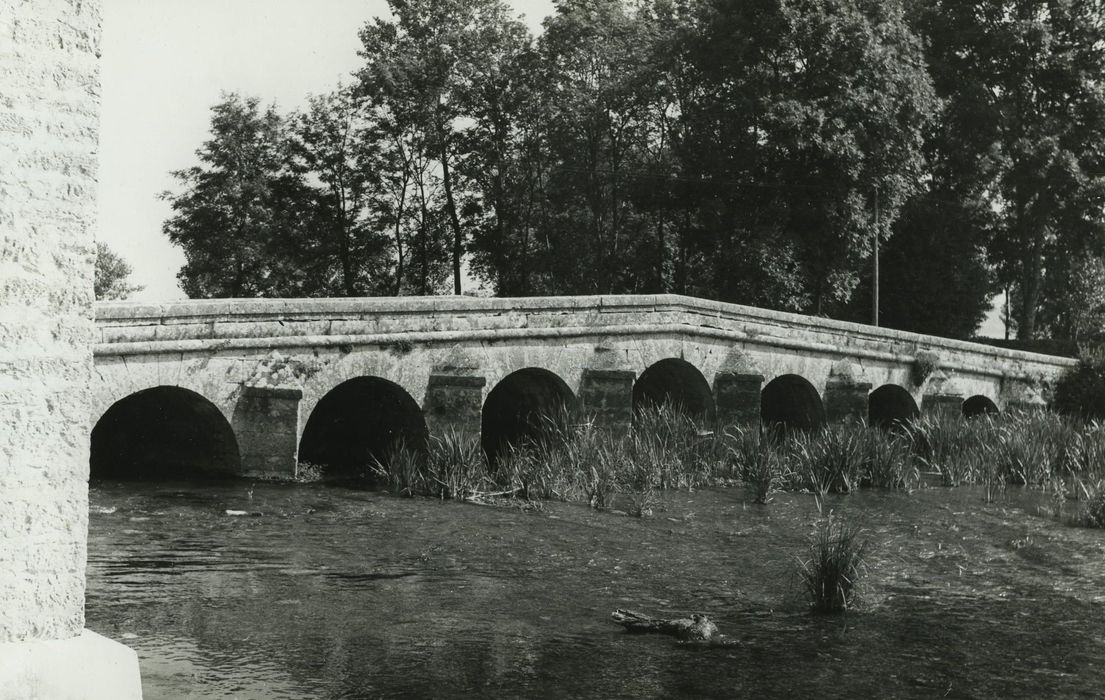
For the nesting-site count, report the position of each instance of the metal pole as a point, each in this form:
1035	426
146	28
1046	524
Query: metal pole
875	274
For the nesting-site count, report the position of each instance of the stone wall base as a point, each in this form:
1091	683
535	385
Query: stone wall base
86	667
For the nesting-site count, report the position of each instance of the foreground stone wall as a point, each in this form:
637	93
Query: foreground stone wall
49	116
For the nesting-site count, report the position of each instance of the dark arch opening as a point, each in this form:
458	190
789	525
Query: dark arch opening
979	406
356	424
675	383
523	407
163	433
791	403
891	405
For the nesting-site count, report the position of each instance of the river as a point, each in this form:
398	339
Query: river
328	592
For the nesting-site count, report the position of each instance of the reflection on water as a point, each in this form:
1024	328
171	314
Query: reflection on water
336	593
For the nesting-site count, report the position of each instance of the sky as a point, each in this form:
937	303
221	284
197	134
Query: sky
165	63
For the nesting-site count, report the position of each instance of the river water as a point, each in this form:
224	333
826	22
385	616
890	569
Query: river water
326	592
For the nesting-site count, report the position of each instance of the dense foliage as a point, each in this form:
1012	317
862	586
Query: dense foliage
744	151
112	278
1081	391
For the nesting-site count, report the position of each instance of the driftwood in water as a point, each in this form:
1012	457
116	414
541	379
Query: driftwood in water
696	628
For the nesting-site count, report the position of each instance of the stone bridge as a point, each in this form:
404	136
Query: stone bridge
256	386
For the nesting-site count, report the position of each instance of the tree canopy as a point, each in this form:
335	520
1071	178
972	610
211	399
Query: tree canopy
112	275
750	151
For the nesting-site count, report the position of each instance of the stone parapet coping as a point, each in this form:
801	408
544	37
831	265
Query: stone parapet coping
710	319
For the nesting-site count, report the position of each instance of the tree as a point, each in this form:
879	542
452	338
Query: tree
112	273
934	275
419	67
799	113
338	144
1024	120
241	209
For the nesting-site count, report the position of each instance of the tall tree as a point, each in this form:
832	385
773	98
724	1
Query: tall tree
1022	84
242	212
934	273
801	112
337	144
419	66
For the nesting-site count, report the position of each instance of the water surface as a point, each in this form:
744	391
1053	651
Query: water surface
328	592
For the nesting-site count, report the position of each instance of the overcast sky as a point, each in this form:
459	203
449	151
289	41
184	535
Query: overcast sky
164	64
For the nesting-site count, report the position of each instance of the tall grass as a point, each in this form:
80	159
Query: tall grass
455	466
757	461
830	459
889	462
577	460
401	470
834	565
948	446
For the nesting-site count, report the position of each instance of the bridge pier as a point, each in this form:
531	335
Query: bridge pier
266	423
846	399
737	397
606	396
454	402
942	405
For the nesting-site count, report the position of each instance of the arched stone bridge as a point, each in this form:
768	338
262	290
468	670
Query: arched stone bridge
253	385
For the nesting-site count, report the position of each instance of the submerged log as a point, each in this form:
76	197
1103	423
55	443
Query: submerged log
696	628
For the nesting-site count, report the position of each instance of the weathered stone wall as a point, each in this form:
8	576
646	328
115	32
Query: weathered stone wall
49	117
449	353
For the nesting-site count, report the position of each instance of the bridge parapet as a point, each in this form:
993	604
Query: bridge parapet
125	328
268	364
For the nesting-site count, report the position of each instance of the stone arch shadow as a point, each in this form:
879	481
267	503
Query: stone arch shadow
523	407
357	423
791	402
891	405
980	405
163	432
678	384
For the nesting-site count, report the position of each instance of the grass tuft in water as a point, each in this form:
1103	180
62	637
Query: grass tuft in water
401	470
1092	513
889	461
455	466
757	461
835	565
830	459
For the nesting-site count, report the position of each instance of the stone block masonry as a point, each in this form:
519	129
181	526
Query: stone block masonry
49	115
49	125
266	423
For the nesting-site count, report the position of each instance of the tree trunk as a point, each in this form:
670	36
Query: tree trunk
454	220
346	258
1031	281
399	241
424	235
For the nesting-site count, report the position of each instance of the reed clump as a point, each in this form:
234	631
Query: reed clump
757	461
835	563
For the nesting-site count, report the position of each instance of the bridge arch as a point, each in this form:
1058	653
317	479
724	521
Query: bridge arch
791	402
979	405
676	383
522	407
890	404
356	423
164	432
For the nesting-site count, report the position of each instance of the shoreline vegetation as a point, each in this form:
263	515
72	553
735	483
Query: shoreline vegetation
577	461
624	473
